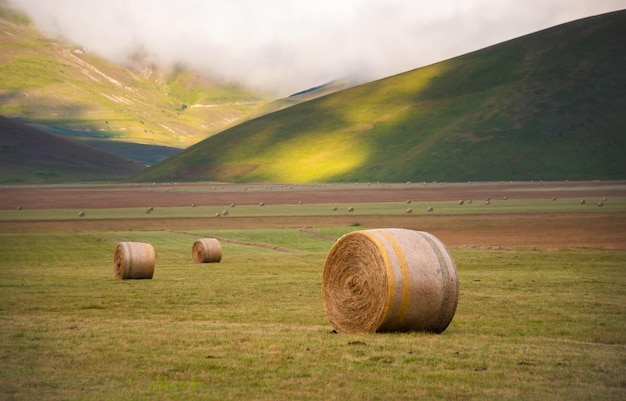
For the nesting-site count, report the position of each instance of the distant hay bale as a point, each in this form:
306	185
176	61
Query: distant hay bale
81	214
582	202
409	211
334	208
261	203
218	214
408	201
469	201
391	279
232	205
206	250
133	260
505	197
193	205
149	210
350	209
224	212
554	198
461	202
600	204
487	202
19	208
430	209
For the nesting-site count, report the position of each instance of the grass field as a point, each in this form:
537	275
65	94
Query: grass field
532	322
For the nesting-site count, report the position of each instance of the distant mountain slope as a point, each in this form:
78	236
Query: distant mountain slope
30	155
545	106
68	90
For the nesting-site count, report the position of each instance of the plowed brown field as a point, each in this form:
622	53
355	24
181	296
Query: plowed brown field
552	230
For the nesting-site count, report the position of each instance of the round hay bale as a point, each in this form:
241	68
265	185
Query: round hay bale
133	260
389	279
350	209
261	203
461	202
600	204
582	202
81	214
334	208
224	212
430	209
206	250
409	211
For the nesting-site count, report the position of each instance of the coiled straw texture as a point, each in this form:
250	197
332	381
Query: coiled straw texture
206	250
133	260
389	280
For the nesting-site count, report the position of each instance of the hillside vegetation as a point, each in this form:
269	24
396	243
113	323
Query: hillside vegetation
62	88
545	106
30	155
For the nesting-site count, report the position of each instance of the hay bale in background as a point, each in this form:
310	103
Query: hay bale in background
206	250
133	260
389	280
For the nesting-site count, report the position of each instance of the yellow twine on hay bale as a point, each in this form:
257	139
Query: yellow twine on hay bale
206	250
389	280
133	260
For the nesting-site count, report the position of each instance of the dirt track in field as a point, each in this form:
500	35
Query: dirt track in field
545	230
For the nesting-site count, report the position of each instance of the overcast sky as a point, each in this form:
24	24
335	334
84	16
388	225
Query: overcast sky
289	45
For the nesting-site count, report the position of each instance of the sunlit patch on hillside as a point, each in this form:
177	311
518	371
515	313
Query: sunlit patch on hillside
319	157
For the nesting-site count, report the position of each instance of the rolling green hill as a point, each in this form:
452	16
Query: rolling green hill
545	106
63	89
30	155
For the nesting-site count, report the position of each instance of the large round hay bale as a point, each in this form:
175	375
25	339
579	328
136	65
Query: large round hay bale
206	250
389	280
133	260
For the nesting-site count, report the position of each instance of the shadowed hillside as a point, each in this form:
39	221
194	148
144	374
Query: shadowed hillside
63	89
545	106
30	155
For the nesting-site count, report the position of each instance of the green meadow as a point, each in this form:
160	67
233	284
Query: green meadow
616	204
531	323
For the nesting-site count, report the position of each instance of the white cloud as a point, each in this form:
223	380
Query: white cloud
289	45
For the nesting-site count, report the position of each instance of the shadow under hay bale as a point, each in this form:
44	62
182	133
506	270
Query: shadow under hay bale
133	260
389	279
206	250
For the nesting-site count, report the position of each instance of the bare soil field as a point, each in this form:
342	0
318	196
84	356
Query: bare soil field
499	231
207	194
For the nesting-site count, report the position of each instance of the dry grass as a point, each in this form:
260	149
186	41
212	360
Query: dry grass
531	324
